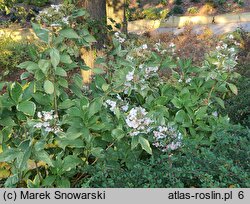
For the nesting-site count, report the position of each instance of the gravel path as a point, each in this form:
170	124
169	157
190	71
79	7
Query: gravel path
217	29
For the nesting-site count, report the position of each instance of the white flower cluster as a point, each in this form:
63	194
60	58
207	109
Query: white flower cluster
112	105
119	104
167	138
47	118
125	107
130	76
129	58
144	47
56	7
138	121
226	57
119	37
139	82
149	71
55	14
230	36
172	45
65	20
187	81
129	80
159	48
221	46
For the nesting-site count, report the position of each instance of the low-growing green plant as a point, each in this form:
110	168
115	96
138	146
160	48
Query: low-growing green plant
155	13
218	3
239	2
151	13
164	2
12	53
193	10
196	165
178	2
177	10
237	107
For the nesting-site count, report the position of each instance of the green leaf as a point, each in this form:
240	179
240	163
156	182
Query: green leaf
201	112
41	98
22	164
48	181
78	80
41	33
73	134
29	89
7	121
29	66
39	75
70	162
5	134
89	39
27	107
118	134
64	142
2	84
78	13
220	102
43	156
100	60
134	142
74	112
66	59
145	144
180	116
69	33
49	87
24	76
8	155
54	57
95	106
98	71
177	102
35	183
97	152
84	102
39	145
66	104
105	87
60	72
11	181
62	182
16	91
233	88
63	82
44	65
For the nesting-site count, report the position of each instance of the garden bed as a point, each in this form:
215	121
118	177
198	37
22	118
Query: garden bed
162	8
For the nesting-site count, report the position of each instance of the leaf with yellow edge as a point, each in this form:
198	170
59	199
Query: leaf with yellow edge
4	173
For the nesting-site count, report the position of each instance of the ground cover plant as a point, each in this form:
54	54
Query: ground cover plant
13	52
148	119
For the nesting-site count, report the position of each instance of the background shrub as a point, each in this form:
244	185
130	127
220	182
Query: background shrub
12	53
178	2
238	107
177	10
